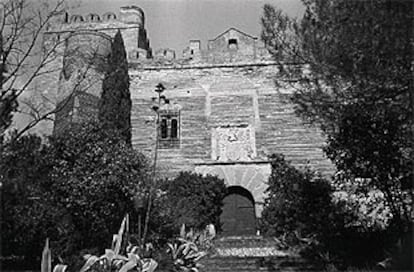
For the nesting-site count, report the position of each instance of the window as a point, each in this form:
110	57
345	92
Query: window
174	129
164	128
232	43
169	130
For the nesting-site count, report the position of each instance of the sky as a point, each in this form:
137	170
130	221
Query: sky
172	23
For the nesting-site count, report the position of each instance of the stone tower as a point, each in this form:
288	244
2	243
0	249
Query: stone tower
80	82
81	46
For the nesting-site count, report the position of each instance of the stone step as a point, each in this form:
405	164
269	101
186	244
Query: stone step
248	242
253	254
256	264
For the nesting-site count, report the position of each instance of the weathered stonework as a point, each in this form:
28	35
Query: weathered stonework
251	176
231	115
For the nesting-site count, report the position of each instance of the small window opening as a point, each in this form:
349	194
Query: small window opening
233	43
174	128
164	128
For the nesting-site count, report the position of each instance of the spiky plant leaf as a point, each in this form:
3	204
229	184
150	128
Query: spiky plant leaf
128	266
182	231
60	268
91	261
46	265
149	265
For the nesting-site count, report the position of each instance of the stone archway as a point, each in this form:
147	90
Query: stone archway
238	216
251	176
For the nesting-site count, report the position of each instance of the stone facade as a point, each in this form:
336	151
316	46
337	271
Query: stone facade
228	114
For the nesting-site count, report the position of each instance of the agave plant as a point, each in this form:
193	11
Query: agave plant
46	265
185	250
113	260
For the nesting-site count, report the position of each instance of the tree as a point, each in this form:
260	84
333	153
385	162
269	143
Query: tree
359	89
27	214
74	189
8	102
95	177
115	103
22	24
296	201
301	208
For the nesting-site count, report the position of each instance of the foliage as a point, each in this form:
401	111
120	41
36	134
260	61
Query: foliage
72	189
370	145
341	227
185	250
193	200
95	176
46	264
366	207
113	260
358	90
28	213
297	201
115	104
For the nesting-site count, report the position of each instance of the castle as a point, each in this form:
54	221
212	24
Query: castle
223	114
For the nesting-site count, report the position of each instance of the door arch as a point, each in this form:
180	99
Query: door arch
238	216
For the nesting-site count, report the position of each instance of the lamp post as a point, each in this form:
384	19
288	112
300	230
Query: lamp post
159	89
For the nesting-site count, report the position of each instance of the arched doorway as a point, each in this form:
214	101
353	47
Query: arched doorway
238	217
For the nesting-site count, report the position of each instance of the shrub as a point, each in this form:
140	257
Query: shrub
95	176
193	200
188	249
334	228
297	201
28	215
364	204
83	181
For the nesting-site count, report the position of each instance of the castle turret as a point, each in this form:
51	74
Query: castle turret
132	15
80	82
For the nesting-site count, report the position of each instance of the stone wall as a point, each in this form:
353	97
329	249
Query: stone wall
240	102
214	97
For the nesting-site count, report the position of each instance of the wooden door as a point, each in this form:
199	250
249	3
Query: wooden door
238	217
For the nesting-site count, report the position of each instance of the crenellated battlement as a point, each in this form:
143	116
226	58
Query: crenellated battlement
130	21
231	46
131	16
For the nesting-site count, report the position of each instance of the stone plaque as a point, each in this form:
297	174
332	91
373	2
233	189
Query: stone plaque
233	144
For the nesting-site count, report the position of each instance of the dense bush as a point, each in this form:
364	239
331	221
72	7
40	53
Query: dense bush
95	176
297	201
364	204
341	225
27	214
193	200
83	182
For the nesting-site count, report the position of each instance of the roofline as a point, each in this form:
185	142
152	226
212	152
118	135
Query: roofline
255	38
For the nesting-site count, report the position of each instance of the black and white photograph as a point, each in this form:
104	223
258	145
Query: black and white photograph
206	135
